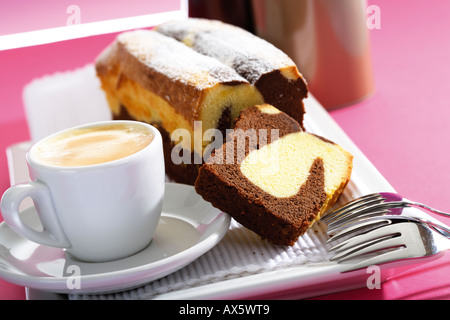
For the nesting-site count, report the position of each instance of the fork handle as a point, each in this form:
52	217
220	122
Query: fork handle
441	230
424	206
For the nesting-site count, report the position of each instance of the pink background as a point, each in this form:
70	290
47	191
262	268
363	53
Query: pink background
402	128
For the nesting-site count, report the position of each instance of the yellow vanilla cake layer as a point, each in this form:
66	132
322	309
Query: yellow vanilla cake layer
283	166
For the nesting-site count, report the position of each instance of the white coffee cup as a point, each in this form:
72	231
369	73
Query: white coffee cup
97	212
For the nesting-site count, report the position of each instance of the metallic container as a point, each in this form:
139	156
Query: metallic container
328	40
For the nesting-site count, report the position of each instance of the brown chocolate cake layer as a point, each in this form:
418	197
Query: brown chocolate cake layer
282	193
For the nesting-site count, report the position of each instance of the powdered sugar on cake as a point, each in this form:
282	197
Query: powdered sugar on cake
250	56
176	60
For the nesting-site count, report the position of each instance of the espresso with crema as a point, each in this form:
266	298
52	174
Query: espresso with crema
92	145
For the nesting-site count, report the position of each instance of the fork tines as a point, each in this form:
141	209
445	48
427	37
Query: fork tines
396	240
359	227
370	242
357	204
372	205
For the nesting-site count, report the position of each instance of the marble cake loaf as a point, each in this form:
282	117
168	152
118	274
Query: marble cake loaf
150	77
272	177
266	67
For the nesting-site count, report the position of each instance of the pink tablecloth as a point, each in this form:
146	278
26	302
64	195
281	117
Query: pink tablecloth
402	128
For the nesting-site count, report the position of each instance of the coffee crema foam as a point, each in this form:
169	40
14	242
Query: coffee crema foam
93	145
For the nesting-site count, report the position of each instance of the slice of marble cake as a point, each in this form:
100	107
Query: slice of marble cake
272	177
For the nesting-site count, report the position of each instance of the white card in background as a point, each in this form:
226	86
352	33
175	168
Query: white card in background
63	100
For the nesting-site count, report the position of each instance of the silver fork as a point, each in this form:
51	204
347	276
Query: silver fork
373	205
387	240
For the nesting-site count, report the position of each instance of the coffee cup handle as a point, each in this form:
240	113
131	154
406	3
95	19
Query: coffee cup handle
52	234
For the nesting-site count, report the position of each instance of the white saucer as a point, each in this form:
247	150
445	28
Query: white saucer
188	228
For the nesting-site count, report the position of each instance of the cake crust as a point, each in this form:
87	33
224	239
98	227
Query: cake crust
266	67
158	64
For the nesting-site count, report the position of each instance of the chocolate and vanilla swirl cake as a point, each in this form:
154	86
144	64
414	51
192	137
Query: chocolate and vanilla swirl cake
269	174
275	185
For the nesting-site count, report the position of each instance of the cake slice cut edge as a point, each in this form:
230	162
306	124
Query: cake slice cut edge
282	185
